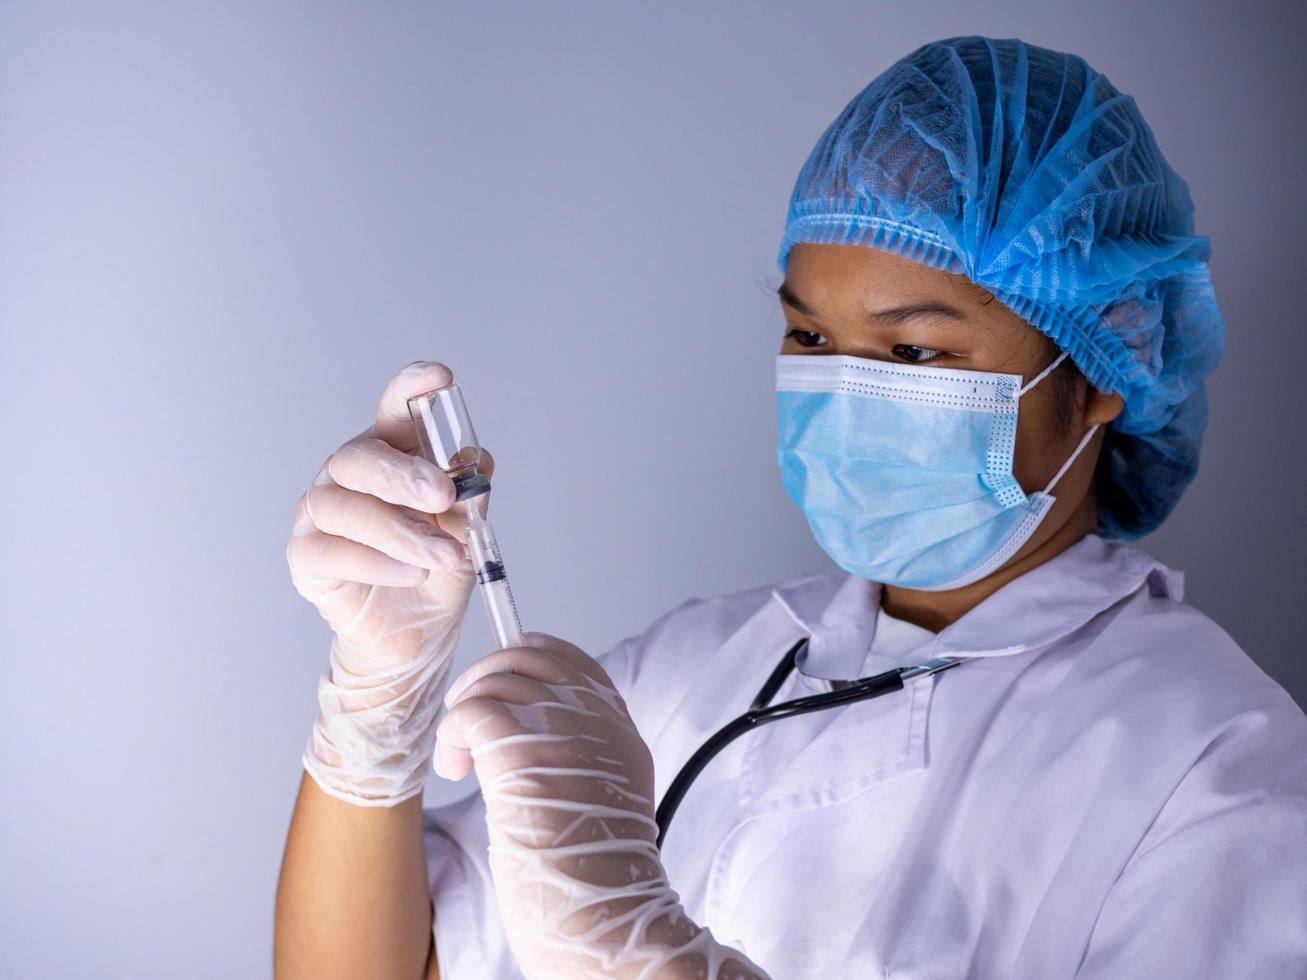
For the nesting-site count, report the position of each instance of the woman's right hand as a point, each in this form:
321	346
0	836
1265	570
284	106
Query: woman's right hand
377	546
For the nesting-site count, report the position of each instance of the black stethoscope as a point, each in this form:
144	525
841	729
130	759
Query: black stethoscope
760	713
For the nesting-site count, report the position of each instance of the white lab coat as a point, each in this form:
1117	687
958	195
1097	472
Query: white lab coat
1109	787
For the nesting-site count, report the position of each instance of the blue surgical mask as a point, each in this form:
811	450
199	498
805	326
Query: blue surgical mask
904	471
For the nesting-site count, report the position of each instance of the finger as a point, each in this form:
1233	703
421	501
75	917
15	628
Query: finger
386	527
449	762
371	466
474	722
555	711
516	689
539	665
570	654
511	705
394	425
318	562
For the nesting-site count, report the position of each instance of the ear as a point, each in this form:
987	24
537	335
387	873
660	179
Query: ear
1102	407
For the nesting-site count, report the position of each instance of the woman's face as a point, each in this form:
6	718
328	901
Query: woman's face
861	301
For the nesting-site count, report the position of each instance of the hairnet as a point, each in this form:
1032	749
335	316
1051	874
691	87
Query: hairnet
1027	171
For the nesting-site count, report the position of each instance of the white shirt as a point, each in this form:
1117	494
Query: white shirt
1107	788
850	633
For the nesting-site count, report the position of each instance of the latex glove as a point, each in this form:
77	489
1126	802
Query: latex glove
568	786
377	546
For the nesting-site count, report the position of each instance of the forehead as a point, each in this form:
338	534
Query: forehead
843	286
843	273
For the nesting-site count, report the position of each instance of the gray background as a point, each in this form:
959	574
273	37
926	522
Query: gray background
223	227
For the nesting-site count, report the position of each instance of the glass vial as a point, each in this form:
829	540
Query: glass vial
446	438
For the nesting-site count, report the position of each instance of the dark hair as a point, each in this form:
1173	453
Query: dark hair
1066	379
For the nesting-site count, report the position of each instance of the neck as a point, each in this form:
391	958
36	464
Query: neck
936	610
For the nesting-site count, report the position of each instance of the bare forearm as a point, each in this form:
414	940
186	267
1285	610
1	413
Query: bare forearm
352	899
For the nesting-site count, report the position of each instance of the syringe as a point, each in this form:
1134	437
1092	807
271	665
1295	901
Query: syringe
446	438
492	578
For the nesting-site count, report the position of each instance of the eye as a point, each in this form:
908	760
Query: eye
806	338
914	354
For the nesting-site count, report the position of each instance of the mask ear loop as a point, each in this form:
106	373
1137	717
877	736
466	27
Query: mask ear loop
1084	441
1042	374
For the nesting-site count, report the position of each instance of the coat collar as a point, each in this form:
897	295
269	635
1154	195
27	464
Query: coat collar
838	610
823	758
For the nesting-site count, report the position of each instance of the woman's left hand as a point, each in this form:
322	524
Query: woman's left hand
568	787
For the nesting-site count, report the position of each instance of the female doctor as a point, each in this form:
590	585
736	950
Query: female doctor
998	324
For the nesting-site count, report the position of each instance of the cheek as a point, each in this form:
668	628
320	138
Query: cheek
1040	447
1028	462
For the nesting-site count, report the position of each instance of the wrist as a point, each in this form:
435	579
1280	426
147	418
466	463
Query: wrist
353	791
373	738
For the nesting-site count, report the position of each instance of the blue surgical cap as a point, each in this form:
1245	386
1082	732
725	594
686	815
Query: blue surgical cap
1030	173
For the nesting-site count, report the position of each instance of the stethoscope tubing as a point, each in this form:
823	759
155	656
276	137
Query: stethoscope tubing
761	713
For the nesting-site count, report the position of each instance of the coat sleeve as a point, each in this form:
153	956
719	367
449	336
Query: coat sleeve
1218	885
469	935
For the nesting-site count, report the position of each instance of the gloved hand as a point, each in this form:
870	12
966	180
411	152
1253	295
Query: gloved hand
568	787
376	545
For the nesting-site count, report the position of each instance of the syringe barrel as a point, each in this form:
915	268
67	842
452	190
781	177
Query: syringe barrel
503	614
492	579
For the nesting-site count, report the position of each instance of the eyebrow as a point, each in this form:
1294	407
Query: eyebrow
897	314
